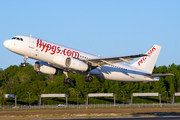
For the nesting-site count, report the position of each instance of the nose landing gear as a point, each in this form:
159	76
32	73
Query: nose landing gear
24	64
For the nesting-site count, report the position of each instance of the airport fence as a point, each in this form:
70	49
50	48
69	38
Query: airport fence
89	106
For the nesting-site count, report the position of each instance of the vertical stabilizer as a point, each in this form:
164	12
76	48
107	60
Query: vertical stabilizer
147	63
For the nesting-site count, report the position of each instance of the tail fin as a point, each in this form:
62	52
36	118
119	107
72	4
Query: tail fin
147	63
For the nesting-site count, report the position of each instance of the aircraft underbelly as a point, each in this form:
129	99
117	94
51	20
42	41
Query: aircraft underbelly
118	76
130	77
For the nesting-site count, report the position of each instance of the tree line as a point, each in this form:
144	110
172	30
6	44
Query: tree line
19	81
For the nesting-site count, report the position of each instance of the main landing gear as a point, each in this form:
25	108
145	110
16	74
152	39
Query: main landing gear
88	78
24	64
67	80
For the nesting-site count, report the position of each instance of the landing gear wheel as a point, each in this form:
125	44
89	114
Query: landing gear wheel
24	64
67	81
88	78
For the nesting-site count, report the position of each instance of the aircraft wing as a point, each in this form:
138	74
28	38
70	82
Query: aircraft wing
158	75
109	61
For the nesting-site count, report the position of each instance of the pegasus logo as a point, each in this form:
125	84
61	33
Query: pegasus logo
144	58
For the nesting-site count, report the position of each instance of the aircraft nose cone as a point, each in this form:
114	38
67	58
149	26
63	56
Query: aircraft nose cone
6	44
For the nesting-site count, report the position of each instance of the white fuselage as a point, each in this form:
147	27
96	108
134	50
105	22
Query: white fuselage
46	52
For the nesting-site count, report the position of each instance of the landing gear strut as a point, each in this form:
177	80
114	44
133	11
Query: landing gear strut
24	64
66	80
88	78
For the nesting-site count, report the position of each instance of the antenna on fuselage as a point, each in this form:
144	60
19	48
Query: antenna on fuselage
31	35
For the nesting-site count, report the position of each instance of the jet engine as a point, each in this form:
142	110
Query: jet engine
71	63
76	64
45	68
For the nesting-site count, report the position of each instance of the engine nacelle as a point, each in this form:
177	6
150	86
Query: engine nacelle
76	64
45	68
71	63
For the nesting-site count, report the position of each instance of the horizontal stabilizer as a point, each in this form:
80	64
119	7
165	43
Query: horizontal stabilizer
158	75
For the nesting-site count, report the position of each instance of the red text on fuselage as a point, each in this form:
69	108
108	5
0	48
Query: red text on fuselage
144	58
55	49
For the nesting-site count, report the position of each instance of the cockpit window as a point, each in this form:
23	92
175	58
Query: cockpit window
14	38
17	38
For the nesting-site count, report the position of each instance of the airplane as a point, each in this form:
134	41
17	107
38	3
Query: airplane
53	57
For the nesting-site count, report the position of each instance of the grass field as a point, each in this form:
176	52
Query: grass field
89	113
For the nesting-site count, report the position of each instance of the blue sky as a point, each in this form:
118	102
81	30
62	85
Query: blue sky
101	27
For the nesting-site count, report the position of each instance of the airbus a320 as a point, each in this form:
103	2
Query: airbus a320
54	57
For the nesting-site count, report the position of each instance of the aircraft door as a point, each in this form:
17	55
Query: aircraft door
31	43
36	51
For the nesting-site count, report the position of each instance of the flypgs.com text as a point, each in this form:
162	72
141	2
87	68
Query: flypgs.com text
55	49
